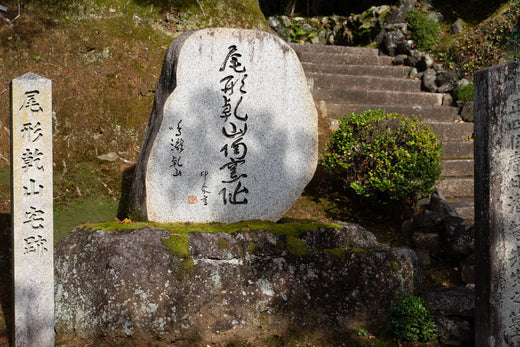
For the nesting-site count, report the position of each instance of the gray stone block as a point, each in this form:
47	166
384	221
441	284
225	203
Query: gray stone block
126	285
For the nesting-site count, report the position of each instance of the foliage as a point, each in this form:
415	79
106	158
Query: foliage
494	41
409	320
362	332
466	92
384	152
298	34
425	31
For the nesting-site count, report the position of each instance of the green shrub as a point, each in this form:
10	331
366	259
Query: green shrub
409	320
425	31
466	92
377	152
298	35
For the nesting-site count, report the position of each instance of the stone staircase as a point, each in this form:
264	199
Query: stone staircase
353	79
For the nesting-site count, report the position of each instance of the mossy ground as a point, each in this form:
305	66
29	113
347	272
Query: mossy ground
285	226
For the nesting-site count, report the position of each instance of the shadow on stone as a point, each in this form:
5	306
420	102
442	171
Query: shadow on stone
123	211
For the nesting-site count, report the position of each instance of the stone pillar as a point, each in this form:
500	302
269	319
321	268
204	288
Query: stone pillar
497	205
32	210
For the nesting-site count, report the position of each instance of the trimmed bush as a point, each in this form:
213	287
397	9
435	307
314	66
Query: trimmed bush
426	32
376	152
409	320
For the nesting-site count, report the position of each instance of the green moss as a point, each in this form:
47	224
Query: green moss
186	268
79	211
357	250
179	246
178	243
251	248
296	247
222	244
284	227
336	252
394	264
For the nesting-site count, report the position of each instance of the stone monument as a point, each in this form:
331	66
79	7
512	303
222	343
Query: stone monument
32	210
233	132
497	205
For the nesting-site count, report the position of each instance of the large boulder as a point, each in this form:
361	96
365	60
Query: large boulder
149	285
233	132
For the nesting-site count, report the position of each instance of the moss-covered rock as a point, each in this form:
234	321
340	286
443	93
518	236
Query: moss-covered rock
195	288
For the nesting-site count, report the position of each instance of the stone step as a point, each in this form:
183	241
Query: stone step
338	96
360	70
458	168
303	47
456	187
457	150
424	113
451	131
465	207
349	82
343	59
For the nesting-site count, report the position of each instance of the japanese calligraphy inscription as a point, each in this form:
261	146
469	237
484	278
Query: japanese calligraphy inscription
235	139
497	205
32	210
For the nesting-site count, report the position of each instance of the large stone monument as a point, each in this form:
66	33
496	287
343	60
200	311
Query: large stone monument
233	132
32	210
497	205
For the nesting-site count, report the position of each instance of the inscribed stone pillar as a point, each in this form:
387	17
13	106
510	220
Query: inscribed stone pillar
497	205
233	133
32	210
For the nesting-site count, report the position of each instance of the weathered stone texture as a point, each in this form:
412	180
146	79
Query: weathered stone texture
126	285
233	133
497	197
32	210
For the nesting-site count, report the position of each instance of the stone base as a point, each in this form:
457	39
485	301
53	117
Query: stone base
227	287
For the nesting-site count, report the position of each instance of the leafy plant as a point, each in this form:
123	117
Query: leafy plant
425	31
377	152
362	332
493	41
298	35
409	320
466	92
